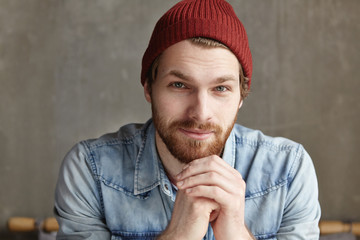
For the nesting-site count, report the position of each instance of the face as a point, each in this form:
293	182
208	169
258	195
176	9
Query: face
195	99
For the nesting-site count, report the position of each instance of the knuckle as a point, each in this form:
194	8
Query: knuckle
188	197
237	176
213	157
243	184
191	166
194	162
216	191
241	187
211	164
212	176
188	169
188	181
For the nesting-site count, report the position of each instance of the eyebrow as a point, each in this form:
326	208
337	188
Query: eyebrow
185	77
226	78
180	75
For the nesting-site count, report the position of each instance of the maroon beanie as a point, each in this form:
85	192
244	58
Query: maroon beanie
213	19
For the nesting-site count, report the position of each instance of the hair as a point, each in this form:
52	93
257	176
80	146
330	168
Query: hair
205	43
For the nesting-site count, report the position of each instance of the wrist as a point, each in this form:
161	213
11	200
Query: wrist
242	232
247	234
167	234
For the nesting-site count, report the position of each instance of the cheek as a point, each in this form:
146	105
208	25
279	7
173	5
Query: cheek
168	107
227	113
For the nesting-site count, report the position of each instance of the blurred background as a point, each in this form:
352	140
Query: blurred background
70	70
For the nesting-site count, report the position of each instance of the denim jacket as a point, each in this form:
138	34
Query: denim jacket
115	187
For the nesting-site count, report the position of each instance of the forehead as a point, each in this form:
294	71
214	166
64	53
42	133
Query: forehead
191	58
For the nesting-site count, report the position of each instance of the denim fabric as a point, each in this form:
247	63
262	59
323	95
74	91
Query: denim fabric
115	187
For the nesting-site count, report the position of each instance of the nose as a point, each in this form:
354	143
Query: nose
200	107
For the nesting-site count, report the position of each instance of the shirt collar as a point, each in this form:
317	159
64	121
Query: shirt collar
229	150
147	172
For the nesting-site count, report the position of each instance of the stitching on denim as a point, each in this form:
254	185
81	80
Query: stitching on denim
149	188
90	156
137	163
136	234
298	153
96	143
257	143
127	191
268	190
233	150
93	144
266	236
274	147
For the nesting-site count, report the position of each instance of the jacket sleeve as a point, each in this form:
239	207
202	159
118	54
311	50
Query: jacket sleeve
302	209
77	199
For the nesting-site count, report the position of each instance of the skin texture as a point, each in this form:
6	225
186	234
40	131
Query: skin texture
198	89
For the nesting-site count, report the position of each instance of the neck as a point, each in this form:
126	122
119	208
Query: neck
172	165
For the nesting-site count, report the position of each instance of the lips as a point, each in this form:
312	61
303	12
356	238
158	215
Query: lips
197	134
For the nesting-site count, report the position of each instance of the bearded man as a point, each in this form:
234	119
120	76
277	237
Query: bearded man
190	172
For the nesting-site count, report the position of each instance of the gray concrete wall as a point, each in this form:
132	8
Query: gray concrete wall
70	70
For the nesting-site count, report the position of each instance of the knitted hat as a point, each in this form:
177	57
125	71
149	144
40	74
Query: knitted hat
213	19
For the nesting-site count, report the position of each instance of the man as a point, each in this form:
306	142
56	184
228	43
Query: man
190	172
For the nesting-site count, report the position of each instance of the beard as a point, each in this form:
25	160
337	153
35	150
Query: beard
187	149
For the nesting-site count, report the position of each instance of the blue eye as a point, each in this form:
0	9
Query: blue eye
178	85
221	89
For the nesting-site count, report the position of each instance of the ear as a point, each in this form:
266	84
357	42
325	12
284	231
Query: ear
146	91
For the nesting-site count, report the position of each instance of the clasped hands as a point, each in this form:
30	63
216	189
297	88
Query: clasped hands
210	191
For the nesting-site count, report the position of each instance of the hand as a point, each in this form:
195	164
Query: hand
190	217
213	179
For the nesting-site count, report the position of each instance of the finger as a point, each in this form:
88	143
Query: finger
211	163
207	161
193	205
208	179
216	190
211	192
190	217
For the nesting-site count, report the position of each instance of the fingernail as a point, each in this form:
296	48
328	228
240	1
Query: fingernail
180	183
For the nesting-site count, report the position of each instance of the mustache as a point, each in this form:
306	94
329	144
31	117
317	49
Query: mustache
192	124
